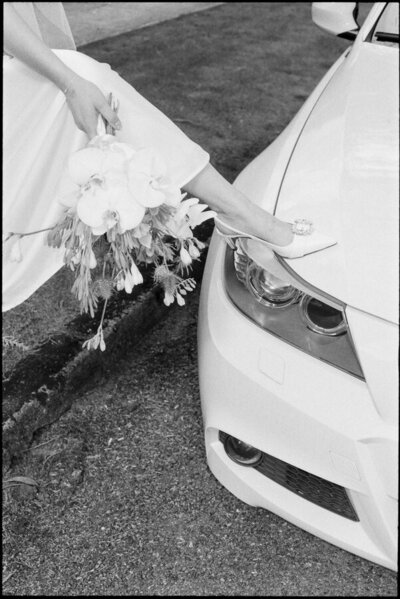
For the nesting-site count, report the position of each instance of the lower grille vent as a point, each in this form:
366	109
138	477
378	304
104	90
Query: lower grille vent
322	492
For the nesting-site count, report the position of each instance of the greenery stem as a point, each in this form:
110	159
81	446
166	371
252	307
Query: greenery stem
103	314
31	233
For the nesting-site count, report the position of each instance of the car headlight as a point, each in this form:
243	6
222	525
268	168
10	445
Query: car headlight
268	289
321	318
280	302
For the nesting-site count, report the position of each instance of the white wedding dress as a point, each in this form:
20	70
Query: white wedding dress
39	134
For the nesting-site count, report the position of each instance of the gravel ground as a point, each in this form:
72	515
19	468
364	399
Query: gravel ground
128	506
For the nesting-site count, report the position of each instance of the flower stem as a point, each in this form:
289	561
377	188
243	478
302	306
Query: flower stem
31	233
103	314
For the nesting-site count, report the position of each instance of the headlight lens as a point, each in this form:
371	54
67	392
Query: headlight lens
307	318
268	289
321	318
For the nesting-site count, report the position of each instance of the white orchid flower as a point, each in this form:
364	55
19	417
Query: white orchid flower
123	148
114	177
68	193
101	209
69	200
142	190
171	193
84	164
114	160
117	156
148	181
101	155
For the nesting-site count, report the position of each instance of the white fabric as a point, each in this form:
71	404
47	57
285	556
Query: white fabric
48	20
39	134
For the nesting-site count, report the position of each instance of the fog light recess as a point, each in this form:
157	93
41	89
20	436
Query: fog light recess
242	453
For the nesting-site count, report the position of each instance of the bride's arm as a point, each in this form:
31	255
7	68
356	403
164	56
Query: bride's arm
84	98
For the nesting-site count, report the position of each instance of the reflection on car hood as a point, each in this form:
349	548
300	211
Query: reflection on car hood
343	175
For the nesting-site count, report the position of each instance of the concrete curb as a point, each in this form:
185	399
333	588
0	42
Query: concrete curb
45	384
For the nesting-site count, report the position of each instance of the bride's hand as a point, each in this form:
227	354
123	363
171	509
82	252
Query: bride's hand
84	98
86	101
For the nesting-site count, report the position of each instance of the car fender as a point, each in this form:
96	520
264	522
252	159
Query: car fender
261	179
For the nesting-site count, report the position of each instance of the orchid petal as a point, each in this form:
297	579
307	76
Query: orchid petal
142	191
99	230
91	206
152	198
85	163
137	184
173	196
69	200
113	161
130	212
125	149
115	178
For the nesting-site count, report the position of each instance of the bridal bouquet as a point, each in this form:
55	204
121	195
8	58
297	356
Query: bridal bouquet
124	211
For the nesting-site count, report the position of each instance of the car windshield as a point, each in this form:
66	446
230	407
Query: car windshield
386	30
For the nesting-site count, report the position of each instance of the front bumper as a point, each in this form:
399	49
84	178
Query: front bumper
302	411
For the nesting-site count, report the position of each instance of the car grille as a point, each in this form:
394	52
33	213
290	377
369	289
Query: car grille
322	492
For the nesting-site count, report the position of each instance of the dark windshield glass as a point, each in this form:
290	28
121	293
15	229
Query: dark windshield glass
386	30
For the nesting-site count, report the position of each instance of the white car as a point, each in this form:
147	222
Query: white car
298	358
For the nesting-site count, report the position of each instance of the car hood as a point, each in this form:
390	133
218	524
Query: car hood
343	175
